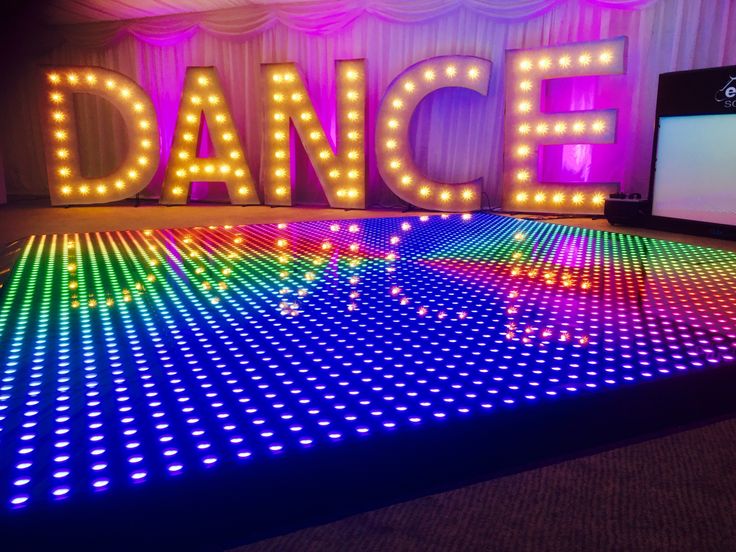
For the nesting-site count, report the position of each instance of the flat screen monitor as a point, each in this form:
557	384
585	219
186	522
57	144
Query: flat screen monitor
695	168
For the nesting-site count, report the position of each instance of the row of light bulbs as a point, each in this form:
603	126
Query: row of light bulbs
560	128
577	199
567	61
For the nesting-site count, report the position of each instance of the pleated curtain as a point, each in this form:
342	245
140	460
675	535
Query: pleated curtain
456	134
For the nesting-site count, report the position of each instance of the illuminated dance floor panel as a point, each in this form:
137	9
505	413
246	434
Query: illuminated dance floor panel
142	360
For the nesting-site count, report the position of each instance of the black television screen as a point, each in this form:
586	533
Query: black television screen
694	165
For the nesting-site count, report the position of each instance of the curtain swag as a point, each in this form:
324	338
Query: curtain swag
311	16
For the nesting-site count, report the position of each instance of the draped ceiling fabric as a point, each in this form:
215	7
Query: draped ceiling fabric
456	134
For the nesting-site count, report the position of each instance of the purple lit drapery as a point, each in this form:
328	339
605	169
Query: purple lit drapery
3	195
456	135
164	22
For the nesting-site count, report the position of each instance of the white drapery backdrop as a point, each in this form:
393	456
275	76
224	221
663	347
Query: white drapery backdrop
456	135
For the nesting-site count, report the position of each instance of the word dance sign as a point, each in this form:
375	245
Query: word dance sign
340	163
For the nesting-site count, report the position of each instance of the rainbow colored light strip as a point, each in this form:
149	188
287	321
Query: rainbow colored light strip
130	357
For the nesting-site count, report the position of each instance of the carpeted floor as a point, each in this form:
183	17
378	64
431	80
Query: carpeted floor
674	492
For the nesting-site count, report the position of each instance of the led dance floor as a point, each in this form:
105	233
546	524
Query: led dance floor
140	364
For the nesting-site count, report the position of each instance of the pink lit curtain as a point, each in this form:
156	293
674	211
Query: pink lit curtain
227	17
3	194
457	135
